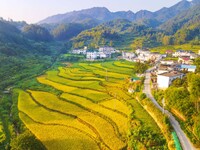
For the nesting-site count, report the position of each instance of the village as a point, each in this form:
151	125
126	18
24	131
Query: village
165	70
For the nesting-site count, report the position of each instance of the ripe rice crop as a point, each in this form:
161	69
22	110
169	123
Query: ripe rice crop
107	134
91	110
123	64
65	88
56	137
65	72
116	105
91	94
110	74
110	67
120	120
52	75
40	114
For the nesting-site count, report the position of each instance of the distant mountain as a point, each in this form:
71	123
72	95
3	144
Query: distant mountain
18	24
97	14
102	14
165	14
66	31
9	33
187	18
119	32
36	33
183	28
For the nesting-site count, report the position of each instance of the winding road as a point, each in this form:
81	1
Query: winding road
185	142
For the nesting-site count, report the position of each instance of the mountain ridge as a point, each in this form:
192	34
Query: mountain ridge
102	14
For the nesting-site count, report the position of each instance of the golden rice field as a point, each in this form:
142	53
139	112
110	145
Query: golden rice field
91	112
2	135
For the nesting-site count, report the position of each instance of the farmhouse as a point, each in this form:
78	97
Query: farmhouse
164	68
164	80
168	52
180	53
91	55
79	51
193	56
108	49
142	51
128	56
96	55
185	60
167	62
189	68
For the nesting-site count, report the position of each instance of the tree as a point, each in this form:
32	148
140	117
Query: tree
26	141
111	43
167	40
197	63
195	90
140	67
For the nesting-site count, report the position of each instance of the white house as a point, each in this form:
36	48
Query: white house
128	55
91	55
185	60
79	51
185	67
142	51
96	55
108	49
180	53
164	68
193	56
167	62
164	80
102	55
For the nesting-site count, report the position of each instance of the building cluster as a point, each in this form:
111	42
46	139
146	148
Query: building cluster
169	70
142	55
101	53
165	71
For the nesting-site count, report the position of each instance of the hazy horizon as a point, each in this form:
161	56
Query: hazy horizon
34	11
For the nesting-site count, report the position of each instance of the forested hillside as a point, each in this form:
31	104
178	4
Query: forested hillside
28	50
183	28
22	56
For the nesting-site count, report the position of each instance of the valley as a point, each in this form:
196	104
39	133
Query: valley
89	100
76	80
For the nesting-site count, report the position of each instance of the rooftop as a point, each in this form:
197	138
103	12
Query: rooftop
188	66
171	74
185	58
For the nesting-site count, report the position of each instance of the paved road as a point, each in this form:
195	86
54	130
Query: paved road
185	142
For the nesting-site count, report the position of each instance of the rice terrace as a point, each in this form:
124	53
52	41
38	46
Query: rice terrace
89	108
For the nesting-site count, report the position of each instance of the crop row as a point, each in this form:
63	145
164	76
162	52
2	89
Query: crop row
92	95
56	136
117	120
44	114
91	111
96	120
52	75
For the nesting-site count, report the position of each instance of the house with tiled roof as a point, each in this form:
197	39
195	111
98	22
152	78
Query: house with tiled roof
187	68
164	80
185	60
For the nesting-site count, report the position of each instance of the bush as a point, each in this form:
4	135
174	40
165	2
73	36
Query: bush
26	141
142	96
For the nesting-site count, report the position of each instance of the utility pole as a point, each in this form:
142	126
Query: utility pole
163	102
106	74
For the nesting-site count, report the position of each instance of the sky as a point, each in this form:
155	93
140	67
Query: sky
32	11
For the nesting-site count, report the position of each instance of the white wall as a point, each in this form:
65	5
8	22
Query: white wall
163	81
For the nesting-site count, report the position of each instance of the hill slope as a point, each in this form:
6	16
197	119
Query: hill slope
102	14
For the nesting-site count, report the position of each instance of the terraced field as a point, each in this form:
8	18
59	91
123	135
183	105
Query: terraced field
2	135
91	112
